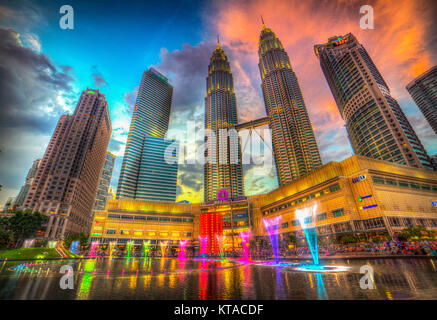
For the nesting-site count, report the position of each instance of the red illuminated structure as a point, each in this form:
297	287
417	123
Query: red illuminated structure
211	224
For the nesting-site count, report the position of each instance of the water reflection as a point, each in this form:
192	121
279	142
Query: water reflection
148	278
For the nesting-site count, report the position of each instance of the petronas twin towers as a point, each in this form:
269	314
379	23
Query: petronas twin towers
294	145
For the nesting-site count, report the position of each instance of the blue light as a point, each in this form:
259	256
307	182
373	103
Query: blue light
371	206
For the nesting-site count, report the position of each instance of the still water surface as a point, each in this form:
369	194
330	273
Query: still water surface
139	278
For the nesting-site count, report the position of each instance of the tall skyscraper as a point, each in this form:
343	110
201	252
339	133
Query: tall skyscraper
157	178
294	145
19	200
104	182
65	184
150	120
376	125
223	169
423	90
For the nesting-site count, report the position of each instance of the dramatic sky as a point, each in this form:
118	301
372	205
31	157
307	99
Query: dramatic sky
43	69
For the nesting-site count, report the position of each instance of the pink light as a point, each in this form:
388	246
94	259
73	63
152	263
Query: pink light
182	246
245	243
203	242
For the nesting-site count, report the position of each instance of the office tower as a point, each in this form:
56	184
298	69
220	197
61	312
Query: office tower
223	169
376	125
294	145
158	174
104	182
19	200
150	119
423	90
65	185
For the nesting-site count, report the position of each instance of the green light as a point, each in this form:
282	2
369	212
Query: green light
360	199
91	92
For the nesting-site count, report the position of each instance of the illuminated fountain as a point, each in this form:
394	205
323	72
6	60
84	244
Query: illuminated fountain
146	248
203	243
163	245
28	243
111	248
129	245
272	226
307	218
94	245
245	244
221	243
73	246
182	246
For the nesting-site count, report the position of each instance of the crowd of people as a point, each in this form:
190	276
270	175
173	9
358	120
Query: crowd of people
394	247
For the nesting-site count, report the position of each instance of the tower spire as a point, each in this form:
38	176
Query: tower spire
218	41
262	20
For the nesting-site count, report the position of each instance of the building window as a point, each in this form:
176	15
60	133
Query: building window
334	187
110	231
378	180
284	225
321	217
338	213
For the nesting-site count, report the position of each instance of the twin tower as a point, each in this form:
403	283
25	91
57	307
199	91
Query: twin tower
294	145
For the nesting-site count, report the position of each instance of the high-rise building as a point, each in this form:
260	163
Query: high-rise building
19	200
65	185
375	122
104	182
423	90
150	119
223	169
158	174
294	144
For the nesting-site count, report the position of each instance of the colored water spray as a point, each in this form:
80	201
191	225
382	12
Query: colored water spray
146	247
129	245
163	245
221	244
203	243
307	218
272	226
94	245
245	243
182	247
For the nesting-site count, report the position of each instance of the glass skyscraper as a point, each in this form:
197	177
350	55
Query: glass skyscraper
149	125
223	169
423	90
294	144
157	178
375	122
104	182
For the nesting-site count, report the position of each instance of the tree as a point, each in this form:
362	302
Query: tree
5	238
83	239
24	224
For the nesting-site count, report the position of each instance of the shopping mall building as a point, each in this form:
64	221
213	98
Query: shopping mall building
357	195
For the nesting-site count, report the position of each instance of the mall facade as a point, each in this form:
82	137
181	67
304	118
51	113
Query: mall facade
356	196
